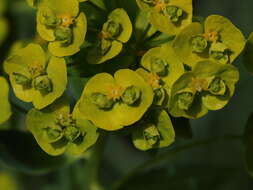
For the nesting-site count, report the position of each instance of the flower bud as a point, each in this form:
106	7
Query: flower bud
71	133
151	134
185	100
43	84
131	95
113	28
219	52
159	66
174	13
199	44
102	101
217	87
63	34
22	79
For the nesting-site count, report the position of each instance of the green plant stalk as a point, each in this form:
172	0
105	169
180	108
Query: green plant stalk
169	154
92	166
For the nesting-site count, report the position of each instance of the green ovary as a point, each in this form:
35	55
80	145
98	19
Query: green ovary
51	21
159	66
149	1
71	133
53	134
219	52
43	84
151	135
102	101
159	95
185	100
174	13
113	28
217	87
131	95
22	79
199	44
63	34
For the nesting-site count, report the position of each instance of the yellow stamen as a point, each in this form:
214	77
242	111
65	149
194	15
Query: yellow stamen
66	20
104	35
154	80
211	36
160	5
199	84
35	69
115	92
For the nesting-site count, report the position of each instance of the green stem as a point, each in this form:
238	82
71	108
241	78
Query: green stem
18	107
168	155
92	166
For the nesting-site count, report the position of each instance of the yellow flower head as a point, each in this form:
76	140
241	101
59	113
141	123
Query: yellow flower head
66	20
154	80
115	92
212	36
199	84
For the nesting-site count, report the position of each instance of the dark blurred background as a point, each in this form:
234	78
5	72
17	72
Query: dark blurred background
211	167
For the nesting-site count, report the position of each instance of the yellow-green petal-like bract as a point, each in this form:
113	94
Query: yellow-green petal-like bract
120	114
5	111
174	67
217	29
229	34
165	136
160	18
51	136
31	62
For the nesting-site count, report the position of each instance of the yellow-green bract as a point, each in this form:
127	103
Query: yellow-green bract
116	114
5	111
168	16
36	78
219	40
164	69
57	131
62	25
208	87
155	132
3	22
116	31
